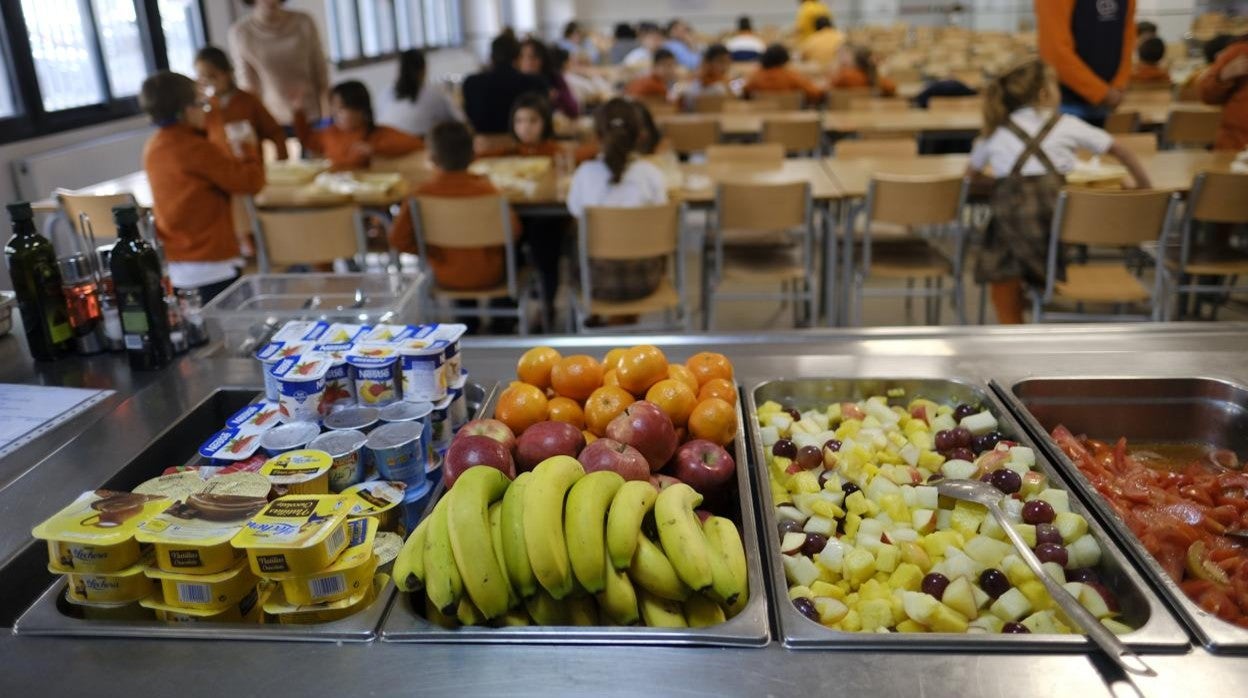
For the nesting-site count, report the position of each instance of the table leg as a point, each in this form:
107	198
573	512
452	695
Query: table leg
847	257
829	214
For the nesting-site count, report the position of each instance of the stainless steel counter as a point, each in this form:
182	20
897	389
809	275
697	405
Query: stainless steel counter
104	443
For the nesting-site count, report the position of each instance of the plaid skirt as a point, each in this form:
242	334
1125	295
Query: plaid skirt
629	280
1017	243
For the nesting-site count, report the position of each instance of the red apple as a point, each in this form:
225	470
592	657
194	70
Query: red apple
492	428
704	465
646	428
471	450
546	439
662	482
609	454
919	412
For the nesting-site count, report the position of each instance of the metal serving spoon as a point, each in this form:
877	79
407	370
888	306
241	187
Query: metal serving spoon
990	497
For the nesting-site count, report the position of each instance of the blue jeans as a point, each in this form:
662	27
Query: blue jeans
1092	114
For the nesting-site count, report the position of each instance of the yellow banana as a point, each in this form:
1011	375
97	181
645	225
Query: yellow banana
409	566
439	618
515	554
468	613
582	610
583	523
629	507
543	522
702	612
618	599
661	613
496	540
443	585
724	540
652	571
681	535
468	523
545	610
514	618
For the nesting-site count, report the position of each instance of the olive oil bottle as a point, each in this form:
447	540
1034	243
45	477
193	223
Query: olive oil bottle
140	294
37	283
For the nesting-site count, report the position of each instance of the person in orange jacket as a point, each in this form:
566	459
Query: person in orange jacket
1089	43
1148	71
656	84
532	130
1226	83
351	139
862	72
192	181
228	104
775	75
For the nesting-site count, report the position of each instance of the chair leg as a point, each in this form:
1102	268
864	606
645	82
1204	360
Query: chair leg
959	300
928	313
983	304
938	302
909	305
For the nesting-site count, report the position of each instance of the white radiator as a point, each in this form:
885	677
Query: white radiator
79	165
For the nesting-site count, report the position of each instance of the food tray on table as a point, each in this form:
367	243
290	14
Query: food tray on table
1154	627
749	628
1151	410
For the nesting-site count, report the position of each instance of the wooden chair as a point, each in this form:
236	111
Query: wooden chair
1138	143
92	214
878	104
763	233
796	135
913	202
290	236
955	103
1127	121
1215	197
710	103
755	105
629	234
882	147
788	100
1122	220
841	99
659	107
742	154
452	222
691	135
1191	128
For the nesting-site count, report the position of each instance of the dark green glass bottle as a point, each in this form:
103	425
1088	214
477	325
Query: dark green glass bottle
140	296
37	282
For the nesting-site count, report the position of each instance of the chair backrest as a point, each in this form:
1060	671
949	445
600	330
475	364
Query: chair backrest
691	135
659	107
308	236
486	142
762	207
97	209
751	106
796	135
1218	197
631	233
709	103
868	103
787	100
415	168
1192	127
463	221
1127	121
883	147
1138	143
841	99
1109	218
769	154
955	103
915	201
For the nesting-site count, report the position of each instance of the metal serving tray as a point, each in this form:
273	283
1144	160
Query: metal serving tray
749	628
1140	409
1156	629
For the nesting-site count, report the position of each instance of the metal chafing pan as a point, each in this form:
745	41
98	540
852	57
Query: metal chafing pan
1156	629
1150	410
749	628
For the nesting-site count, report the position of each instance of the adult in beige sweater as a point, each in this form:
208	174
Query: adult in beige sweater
277	53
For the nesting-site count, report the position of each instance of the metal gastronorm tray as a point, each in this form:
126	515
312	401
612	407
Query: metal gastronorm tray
1156	629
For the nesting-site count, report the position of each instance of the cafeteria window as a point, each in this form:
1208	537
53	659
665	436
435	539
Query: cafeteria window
368	31
75	63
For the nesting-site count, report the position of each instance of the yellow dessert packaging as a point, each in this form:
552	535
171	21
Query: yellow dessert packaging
205	592
299	472
379	499
295	534
179	485
248	610
193	536
114	611
351	573
121	587
287	613
386	548
96	532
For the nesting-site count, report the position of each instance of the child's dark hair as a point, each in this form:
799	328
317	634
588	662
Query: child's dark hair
1145	28
865	61
649	134
744	24
571	28
450	146
624	30
216	58
775	56
504	50
714	52
411	74
1216	45
1017	87
824	22
354	95
540	104
165	96
542	52
1151	50
663	54
618	128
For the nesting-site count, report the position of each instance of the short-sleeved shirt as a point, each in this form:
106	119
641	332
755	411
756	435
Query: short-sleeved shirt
641	185
1002	148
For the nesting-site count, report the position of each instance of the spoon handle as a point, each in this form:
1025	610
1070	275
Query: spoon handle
1098	633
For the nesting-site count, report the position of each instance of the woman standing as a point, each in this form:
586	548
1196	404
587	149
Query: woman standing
277	53
414	106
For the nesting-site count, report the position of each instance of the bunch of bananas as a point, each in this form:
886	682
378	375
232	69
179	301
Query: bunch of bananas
560	547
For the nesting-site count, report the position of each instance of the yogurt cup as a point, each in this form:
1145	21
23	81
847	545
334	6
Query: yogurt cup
232	444
301	386
177	485
114	611
205	592
288	613
424	374
415	501
95	533
353	418
459	407
397	451
297	534
123	586
412	412
301	331
346	448
387	548
342	333
388	334
379	499
351	573
271	354
305	471
451	333
339	388
247	610
263	414
443	425
239	484
288	437
193	536
375	372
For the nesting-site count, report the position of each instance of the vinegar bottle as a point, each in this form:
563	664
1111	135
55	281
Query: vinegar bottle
37	283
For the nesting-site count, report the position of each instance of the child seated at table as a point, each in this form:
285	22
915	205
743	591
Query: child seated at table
1030	147
775	75
1225	82
532	128
863	72
1148	71
352	137
658	82
712	77
228	104
192	181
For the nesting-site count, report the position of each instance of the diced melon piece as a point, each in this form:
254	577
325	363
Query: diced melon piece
909	496
958	469
800	592
910	454
907	577
960	596
987	551
1058	498
1018	468
895	506
819	418
871	528
919	607
1035	592
988	623
1013	509
1070	525
943	422
1011	606
882	413
992	529
897	534
1028	532
781	421
803	502
979	424
909	626
769	435
1055	571
887	557
879	487
822	588
769	407
982	599
957	564
792	513
820	525
807	425
967	516
936	543
1023	456
1084	552
926	496
833	413
1045	623
800	569
833	554
1116	627
859	566
802	438
944	519
830	610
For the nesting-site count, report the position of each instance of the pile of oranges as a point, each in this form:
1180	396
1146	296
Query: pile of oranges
699	396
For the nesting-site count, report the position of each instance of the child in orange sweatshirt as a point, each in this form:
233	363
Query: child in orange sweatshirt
228	104
662	75
532	129
192	181
863	73
351	139
775	75
1226	83
1148	71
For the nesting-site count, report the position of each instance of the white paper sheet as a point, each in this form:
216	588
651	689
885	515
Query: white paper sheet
26	411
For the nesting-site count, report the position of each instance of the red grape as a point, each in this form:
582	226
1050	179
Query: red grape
962	454
1048	533
944	441
788	526
809	457
1014	628
806	607
963	411
961	437
1006	480
1038	511
994	582
784	449
815	543
833	445
934	584
986	442
792	412
1052	552
1080	574
849	488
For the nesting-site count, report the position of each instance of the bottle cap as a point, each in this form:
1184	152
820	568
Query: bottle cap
20	211
125	215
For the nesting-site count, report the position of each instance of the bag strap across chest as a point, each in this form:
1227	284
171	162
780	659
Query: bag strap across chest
1031	145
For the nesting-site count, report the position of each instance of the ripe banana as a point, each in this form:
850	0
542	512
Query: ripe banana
681	535
702	612
545	610
725	542
496	540
629	507
543	522
652	571
661	613
439	618
582	610
618	599
514	618
515	553
583	524
468	613
409	566
443	585
468	523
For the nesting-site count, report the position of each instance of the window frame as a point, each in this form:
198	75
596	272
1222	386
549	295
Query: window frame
413	6
31	120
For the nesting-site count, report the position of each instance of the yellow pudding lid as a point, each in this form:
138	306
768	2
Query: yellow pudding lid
362	533
202	520
294	522
297	467
101	517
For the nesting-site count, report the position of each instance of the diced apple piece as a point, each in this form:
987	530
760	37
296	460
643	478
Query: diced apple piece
1013	509
898	534
1084	552
1045	623
958	469
1011	606
830	610
1092	600
987	551
910	454
960	596
915	554
792	542
791	514
980	424
820	525
947	620
833	554
871	527
1023	456
926	497
1057	498
1034	482
802	438
943	422
807	425
1055	571
800	592
879	487
1036	594
859	566
958	565
1116	627
919	607
988	623
923	520
1070	525
800	570
769	435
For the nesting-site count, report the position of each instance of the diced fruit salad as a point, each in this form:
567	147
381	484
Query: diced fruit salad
868	545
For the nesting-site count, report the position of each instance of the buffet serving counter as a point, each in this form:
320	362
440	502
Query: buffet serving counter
110	445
